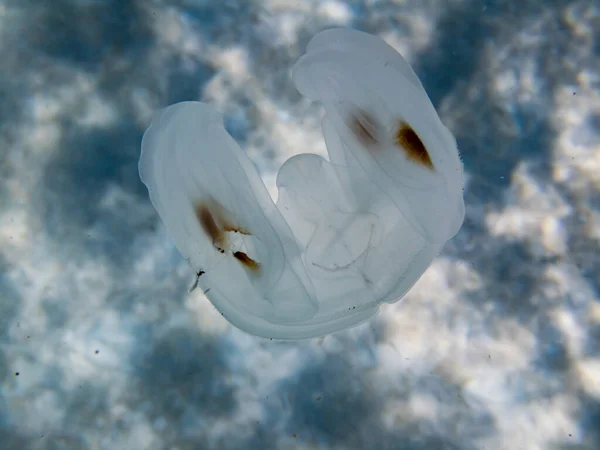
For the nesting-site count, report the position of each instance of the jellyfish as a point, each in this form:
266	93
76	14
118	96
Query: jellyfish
348	232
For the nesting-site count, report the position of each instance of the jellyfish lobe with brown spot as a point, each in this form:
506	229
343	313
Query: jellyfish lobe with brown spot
408	139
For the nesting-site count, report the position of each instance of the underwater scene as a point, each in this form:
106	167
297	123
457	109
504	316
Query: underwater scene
311	224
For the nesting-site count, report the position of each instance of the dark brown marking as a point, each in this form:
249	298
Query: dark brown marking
410	142
246	260
195	285
365	128
216	223
224	218
230	227
210	227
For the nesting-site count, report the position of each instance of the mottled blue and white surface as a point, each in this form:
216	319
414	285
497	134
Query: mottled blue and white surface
496	347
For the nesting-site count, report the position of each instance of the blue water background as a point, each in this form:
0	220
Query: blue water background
101	347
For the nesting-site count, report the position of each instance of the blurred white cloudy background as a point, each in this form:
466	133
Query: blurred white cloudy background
101	347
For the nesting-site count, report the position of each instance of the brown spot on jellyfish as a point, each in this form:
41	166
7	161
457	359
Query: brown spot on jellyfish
365	128
246	260
407	139
210	227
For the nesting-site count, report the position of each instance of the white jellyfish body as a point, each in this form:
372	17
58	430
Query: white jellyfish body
346	234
